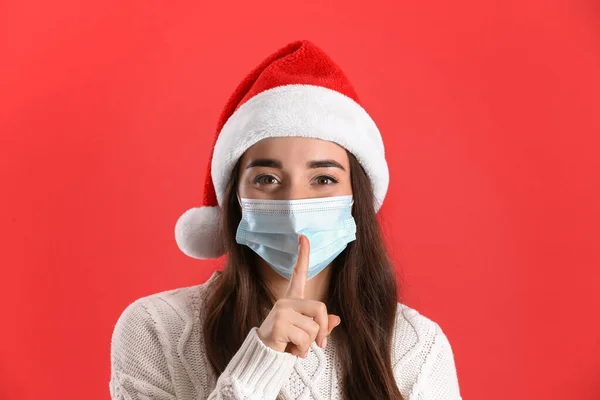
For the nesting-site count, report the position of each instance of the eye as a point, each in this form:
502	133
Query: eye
325	180
266	180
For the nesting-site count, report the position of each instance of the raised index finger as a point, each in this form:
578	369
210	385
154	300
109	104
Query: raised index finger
300	273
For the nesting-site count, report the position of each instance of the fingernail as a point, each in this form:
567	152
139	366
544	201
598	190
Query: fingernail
305	355
324	343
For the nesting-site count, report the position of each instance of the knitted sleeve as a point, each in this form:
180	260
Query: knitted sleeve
255	372
142	366
438	378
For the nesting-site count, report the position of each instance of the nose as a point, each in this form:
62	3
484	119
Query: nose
297	191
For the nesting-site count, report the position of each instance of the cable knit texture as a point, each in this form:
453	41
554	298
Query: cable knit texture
158	353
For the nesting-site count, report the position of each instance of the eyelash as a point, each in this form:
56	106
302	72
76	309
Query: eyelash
258	179
331	178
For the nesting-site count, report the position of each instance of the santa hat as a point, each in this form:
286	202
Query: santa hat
296	91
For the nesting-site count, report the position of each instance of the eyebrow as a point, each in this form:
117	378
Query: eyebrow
270	163
264	162
325	164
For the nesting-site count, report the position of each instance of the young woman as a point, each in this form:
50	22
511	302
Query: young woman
307	304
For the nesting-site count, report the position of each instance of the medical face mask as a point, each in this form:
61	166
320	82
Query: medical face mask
272	227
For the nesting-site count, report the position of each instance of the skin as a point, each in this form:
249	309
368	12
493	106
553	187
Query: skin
290	169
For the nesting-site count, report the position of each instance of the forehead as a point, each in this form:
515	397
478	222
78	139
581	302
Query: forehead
296	149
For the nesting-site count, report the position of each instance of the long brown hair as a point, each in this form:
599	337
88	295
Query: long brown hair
363	292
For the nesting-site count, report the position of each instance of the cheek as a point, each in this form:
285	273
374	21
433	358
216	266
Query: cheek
347	187
343	188
247	189
243	187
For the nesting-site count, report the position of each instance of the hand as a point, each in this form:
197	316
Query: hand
294	322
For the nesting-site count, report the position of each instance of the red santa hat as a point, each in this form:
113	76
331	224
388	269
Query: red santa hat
296	91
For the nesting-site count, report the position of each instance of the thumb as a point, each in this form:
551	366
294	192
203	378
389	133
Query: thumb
334	321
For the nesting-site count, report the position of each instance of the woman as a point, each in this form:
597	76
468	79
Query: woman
306	306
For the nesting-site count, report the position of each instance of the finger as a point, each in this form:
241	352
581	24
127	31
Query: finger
316	310
334	321
293	349
305	323
299	338
299	275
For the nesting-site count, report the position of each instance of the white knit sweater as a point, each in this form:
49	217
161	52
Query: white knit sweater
158	353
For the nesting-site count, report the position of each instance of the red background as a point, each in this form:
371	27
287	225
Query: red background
489	111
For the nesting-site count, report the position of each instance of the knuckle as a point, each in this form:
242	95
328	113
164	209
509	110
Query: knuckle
278	316
283	303
321	308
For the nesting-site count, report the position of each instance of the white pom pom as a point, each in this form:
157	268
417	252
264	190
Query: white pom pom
198	233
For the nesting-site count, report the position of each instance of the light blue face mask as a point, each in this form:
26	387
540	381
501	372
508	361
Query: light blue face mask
271	228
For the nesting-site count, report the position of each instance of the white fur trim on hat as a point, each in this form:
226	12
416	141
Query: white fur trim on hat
198	232
301	111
